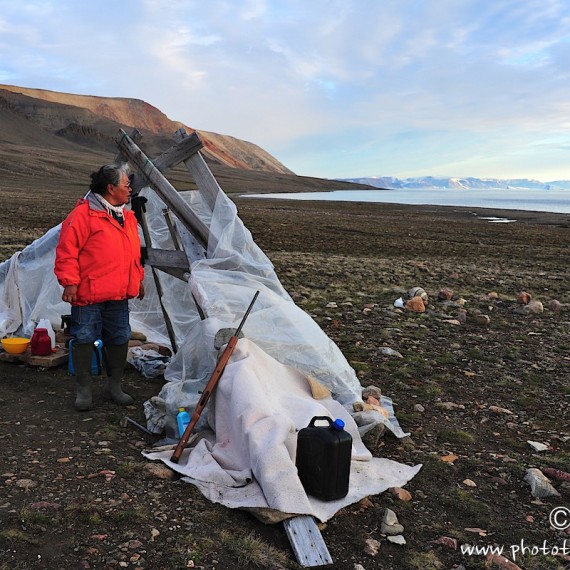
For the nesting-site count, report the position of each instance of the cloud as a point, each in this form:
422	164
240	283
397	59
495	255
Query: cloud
326	85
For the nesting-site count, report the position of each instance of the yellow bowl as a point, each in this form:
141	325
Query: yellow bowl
15	345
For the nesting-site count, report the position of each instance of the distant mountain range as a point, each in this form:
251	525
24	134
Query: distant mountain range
389	182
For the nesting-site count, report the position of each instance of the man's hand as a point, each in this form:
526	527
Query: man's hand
141	292
69	293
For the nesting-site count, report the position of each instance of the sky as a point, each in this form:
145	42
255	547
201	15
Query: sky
334	89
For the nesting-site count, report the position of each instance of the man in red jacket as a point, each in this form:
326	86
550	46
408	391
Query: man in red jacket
99	267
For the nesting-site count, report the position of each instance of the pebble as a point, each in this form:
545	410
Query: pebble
417	292
371	546
445	294
533	308
387	351
398	539
416	305
539	485
482	319
537	446
555	306
160	471
390	525
401	494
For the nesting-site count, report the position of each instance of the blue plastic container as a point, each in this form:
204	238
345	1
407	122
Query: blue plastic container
323	459
96	361
182	420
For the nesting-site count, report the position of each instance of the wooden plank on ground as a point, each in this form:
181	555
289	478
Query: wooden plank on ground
307	542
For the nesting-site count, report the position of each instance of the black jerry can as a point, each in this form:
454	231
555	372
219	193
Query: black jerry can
323	459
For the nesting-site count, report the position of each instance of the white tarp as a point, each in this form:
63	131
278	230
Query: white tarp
247	460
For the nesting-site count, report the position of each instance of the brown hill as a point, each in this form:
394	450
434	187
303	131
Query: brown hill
93	122
50	142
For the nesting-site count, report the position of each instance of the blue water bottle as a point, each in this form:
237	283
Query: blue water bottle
182	419
96	360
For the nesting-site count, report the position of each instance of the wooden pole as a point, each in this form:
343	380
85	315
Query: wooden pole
163	188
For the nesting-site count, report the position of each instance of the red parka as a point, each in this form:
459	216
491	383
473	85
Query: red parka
99	255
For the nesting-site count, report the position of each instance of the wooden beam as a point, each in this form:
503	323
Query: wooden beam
179	152
307	542
167	258
163	188
196	165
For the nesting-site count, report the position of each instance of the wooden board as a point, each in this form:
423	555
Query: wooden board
57	358
307	542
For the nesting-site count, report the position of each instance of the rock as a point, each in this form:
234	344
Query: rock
539	485
416	304
398	539
387	351
419	408
557	474
372	437
446	542
331	305
499	410
501	562
555	306
160	471
373	391
417	292
358	567
537	446
390	525
534	308
26	484
469	483
493	295
371	546
401	494
524	298
445	294
450	406
389	517
482	319
44	506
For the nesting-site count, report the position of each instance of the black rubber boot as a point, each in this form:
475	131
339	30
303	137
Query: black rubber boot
116	357
82	355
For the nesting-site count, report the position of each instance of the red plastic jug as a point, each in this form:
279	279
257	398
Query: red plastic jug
41	342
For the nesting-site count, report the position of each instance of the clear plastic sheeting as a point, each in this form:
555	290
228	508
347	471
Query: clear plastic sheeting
29	290
224	284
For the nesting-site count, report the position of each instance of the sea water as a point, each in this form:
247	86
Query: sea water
557	201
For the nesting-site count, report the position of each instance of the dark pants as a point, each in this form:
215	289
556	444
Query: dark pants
108	321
